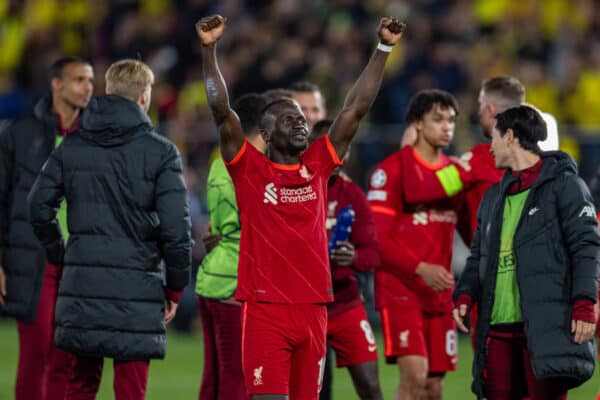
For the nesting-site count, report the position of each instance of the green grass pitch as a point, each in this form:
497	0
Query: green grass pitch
178	376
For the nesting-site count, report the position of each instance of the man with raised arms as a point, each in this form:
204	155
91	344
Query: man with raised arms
284	279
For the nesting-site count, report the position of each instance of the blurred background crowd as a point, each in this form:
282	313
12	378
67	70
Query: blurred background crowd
552	46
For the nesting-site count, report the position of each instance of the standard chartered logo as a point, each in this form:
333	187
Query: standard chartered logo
270	194
288	195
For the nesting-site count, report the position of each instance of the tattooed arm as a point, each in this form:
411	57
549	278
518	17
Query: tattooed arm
231	135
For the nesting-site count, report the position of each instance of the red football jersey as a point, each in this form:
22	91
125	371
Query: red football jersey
409	234
342	192
283	243
483	174
476	170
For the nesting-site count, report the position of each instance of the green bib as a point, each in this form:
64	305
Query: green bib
61	216
217	275
507	300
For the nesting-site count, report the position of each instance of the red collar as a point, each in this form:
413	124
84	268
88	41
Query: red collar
64	131
525	178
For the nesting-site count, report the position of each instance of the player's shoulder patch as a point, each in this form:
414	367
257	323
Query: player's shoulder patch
378	195
378	178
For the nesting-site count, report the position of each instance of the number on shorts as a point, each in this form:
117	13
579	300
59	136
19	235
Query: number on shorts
366	327
451	343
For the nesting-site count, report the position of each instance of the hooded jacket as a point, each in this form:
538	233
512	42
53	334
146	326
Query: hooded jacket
25	145
557	251
126	212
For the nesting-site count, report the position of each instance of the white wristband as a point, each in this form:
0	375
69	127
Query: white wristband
384	47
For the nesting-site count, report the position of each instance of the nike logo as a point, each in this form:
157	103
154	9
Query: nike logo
533	210
372	347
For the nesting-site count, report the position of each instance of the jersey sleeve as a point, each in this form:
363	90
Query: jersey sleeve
433	185
385	198
247	161
384	193
364	234
238	164
323	154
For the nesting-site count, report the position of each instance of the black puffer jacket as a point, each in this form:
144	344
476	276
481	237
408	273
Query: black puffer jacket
557	248
25	145
126	211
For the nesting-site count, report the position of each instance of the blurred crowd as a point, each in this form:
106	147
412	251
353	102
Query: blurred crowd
552	46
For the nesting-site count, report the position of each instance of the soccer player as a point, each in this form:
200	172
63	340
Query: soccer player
533	269
222	376
497	95
413	285
28	281
311	101
127	213
348	330
476	170
283	275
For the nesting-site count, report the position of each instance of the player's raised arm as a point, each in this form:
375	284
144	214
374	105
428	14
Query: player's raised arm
361	96
231	136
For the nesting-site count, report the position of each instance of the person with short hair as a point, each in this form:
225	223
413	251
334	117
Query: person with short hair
128	256
216	282
28	280
349	332
284	278
533	269
311	100
414	284
476	169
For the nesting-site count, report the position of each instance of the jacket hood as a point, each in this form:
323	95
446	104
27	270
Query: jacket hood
112	121
555	163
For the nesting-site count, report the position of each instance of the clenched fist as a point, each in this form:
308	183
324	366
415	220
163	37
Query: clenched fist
210	29
390	30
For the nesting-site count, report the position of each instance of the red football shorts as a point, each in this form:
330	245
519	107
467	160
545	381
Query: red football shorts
283	348
409	332
351	337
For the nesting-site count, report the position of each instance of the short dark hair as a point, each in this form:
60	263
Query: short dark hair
424	100
508	88
248	107
267	108
320	129
277	93
58	66
527	124
304	86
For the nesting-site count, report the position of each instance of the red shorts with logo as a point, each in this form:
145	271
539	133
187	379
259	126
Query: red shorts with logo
351	337
283	348
410	332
